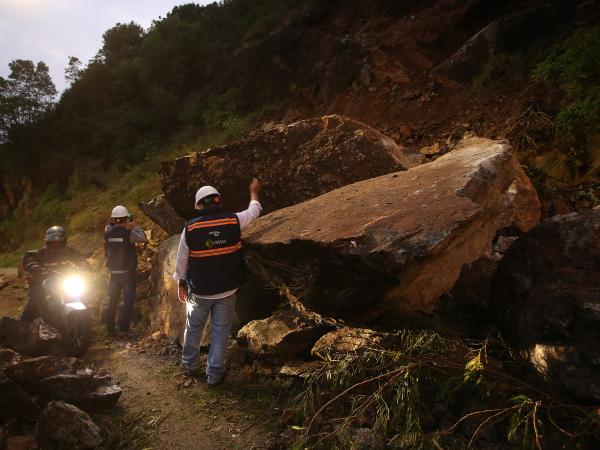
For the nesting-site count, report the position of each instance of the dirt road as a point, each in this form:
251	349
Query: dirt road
160	408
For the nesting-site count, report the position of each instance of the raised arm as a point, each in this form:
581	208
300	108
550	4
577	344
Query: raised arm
254	208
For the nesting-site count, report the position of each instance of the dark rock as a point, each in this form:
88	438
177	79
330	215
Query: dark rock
29	371
15	402
349	340
163	214
546	294
65	426
15	334
468	307
91	393
44	339
30	338
295	163
396	243
8	357
282	337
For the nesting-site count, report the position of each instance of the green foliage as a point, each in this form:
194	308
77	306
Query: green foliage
432	392
25	96
574	67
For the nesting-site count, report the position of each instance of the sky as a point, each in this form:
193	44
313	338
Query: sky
53	30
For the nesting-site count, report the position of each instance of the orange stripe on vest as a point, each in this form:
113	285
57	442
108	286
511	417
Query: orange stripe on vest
215	252
212	223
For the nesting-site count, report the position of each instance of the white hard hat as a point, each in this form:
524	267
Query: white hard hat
119	211
205	191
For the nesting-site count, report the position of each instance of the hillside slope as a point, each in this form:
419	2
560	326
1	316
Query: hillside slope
422	72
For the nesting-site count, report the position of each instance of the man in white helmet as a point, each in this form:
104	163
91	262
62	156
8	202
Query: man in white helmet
120	237
210	269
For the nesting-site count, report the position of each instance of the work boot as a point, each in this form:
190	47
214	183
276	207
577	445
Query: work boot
214	382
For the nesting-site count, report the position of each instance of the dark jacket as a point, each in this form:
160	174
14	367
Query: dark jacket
215	263
119	250
35	262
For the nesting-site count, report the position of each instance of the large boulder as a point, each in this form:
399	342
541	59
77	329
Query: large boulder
163	214
546	292
282	337
62	425
294	162
397	242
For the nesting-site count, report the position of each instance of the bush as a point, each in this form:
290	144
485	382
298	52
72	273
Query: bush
574	67
434	392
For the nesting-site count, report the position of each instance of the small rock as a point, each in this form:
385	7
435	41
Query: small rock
347	339
298	368
62	425
431	150
261	369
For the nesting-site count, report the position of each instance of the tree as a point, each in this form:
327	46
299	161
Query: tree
26	95
73	70
121	41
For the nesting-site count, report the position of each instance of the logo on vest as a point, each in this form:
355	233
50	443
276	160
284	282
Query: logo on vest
209	243
215	233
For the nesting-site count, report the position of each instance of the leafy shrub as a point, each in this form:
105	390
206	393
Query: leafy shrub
434	392
574	67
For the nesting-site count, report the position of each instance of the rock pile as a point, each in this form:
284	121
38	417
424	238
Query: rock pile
49	391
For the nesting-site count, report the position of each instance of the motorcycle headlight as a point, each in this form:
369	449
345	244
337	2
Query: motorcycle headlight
73	286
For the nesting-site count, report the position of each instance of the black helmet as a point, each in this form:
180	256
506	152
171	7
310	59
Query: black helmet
56	234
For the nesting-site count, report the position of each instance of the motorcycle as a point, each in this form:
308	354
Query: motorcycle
65	308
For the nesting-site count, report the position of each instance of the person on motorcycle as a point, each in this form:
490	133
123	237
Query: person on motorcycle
37	263
120	237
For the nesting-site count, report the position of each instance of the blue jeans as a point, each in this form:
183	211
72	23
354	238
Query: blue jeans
127	283
222	312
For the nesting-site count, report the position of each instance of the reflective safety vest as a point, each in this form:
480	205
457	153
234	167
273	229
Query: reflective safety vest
215	263
118	249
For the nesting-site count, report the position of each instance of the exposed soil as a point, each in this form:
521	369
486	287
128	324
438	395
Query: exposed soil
160	407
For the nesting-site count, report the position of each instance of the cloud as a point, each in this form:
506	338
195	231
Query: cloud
53	30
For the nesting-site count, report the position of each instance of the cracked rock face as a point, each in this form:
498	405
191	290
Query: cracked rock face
546	293
394	244
294	162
